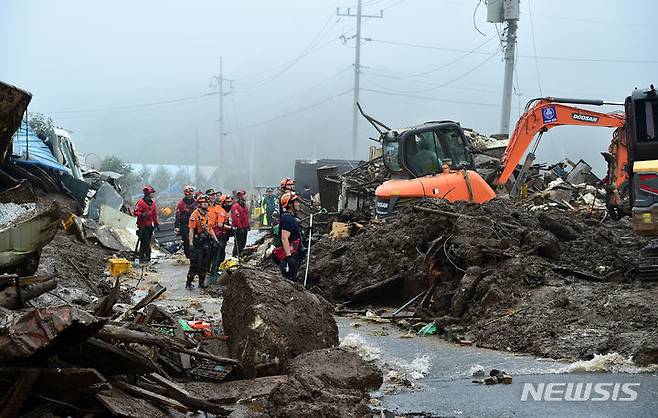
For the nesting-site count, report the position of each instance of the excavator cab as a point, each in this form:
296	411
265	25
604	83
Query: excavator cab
642	138
426	149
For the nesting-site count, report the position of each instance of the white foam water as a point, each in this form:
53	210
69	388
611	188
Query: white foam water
608	363
356	343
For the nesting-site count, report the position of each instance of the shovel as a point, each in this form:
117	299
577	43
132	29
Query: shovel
308	251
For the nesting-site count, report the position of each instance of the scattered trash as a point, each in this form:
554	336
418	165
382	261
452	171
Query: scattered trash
429	329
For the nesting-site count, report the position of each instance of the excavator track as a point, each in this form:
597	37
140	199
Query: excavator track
647	269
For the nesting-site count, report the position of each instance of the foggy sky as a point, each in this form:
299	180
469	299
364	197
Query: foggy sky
84	59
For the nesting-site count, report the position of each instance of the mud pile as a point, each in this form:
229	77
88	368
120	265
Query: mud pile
551	283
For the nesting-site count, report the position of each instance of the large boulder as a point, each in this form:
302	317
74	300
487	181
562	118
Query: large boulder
325	383
338	368
270	320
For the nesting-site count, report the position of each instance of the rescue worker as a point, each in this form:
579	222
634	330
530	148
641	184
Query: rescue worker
147	220
286	185
307	194
240	220
212	195
289	255
219	218
268	206
184	209
201	238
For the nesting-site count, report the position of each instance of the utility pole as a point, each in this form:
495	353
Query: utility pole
506	11
197	181
220	177
220	83
357	67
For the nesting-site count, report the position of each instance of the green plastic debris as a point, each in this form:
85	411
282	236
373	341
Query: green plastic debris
429	329
186	327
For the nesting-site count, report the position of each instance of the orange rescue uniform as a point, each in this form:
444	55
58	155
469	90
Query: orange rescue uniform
218	218
199	222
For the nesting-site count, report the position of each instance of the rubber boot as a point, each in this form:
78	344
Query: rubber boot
188	283
202	282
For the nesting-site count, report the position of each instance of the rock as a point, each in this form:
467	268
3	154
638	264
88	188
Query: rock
506	379
491	380
561	228
465	291
236	390
647	351
270	320
338	368
493	296
542	243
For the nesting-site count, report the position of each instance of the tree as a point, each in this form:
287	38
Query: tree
41	124
116	164
182	177
128	180
162	178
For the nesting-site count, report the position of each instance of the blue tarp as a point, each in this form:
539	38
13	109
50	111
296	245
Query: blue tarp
37	151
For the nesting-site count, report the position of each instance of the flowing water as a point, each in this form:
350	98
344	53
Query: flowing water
428	374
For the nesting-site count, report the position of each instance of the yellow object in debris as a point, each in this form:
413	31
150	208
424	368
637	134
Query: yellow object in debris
166	211
646	218
68	222
645	166
119	266
230	264
339	230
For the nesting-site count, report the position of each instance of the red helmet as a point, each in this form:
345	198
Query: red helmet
202	198
149	189
241	193
286	182
288	198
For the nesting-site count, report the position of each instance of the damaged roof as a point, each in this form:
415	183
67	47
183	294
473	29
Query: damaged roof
13	103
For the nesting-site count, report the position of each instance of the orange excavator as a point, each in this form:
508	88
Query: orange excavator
435	159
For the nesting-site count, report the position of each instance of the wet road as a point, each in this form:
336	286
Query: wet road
445	385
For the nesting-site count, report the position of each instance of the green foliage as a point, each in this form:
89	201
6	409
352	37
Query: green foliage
41	124
116	164
161	178
129	181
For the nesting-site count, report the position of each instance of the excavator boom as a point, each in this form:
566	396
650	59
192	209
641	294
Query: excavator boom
545	114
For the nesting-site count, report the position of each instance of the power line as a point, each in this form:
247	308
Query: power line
291	113
371	74
135	106
461	57
437	86
433	99
310	48
548	58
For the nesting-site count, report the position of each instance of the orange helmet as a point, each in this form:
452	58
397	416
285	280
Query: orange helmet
225	199
288	198
286	182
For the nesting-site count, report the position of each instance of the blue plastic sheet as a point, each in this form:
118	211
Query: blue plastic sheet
36	151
